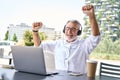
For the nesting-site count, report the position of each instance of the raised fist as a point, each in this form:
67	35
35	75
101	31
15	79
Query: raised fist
37	25
88	9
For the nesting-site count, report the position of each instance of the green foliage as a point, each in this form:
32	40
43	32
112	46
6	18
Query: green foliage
14	38
42	36
104	56
108	46
29	43
28	37
99	15
118	34
117	47
6	35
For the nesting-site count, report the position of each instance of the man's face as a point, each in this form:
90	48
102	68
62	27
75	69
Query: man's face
71	31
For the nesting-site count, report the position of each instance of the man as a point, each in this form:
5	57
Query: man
71	54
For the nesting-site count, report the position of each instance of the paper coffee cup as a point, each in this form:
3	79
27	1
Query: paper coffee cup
91	68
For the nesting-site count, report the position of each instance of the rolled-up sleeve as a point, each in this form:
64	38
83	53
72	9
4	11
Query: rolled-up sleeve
91	43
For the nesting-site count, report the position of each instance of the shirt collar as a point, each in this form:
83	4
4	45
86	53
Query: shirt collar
73	44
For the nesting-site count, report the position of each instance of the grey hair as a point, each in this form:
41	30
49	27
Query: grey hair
76	22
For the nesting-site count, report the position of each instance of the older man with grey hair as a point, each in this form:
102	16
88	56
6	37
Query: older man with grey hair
71	53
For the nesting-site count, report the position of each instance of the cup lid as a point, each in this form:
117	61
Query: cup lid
92	61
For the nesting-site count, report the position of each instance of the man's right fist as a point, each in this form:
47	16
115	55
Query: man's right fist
37	25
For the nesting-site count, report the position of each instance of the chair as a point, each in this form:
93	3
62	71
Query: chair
110	70
2	56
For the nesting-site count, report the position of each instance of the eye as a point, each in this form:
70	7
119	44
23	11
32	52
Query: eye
72	29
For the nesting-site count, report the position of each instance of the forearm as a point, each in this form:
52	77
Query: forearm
36	39
94	25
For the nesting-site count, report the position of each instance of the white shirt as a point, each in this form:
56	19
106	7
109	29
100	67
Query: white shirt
72	56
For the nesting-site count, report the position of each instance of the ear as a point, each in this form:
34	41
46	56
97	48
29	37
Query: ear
79	32
64	29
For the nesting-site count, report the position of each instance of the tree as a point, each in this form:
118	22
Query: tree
118	34
14	38
27	36
6	35
107	46
42	35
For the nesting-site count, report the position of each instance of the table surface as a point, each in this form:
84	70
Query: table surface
11	74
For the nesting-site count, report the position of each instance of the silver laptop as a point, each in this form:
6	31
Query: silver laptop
30	59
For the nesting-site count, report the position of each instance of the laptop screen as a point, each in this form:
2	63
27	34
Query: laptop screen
29	59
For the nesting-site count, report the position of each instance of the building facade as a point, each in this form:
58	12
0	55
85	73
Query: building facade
108	16
21	28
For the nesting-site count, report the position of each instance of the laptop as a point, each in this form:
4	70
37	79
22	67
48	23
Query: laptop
31	59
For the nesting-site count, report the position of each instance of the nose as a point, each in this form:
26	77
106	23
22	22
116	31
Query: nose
69	31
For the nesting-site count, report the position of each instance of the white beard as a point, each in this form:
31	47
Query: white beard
70	40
